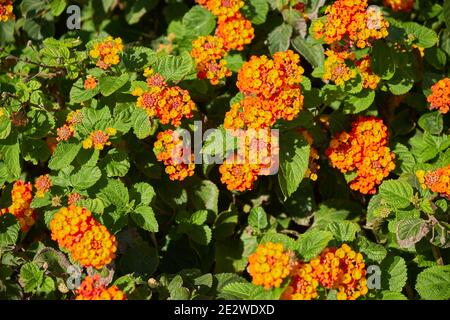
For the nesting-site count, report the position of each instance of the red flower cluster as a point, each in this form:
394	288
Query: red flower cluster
233	33
68	129
21	196
92	289
89	242
364	150
168	104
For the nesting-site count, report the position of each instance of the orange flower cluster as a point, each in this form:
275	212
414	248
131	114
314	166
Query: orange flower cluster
233	33
6	10
370	80
99	139
42	184
313	167
107	52
257	155
21	196
353	22
365	151
222	8
438	180
170	149
336	268
270	265
90	83
440	96
92	289
250	113
89	242
67	131
168	104
399	5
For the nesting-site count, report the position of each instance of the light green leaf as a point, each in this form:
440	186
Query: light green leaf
312	52
145	218
397	193
64	154
30	277
311	243
199	21
344	231
86	177
110	84
9	230
279	39
258	218
394	273
434	283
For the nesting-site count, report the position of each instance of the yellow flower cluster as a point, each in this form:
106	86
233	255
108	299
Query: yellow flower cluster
21	196
42	184
92	289
89	242
107	52
399	5
6	10
353	22
365	150
437	180
335	268
170	104
233	33
270	265
99	139
170	149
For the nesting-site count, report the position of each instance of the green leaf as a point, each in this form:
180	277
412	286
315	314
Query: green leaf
426	38
199	21
258	218
383	61
142	193
115	193
256	11
199	217
116	163
141	124
312	52
392	295
205	195
294	159
373	251
279	39
394	273
446	9
58	6
410	231
344	231
9	230
85	178
145	218
30	277
64	154
79	94
110	84
138	9
175	68
10	151
432	122
359	102
201	234
239	290
434	283
136	58
234	61
396	193
404	158
311	243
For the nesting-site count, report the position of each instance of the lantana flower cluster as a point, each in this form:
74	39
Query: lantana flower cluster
341	269
99	139
365	151
352	22
270	265
440	96
21	197
107	52
313	166
89	242
436	180
271	89
42	184
67	131
233	32
399	5
170	104
170	149
92	288
90	83
6	10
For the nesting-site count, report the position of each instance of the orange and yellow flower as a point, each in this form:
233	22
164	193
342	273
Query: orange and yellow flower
365	151
170	149
99	139
436	180
399	5
90	83
89	242
107	52
42	184
440	96
21	196
303	285
92	289
6	10
370	80
236	32
270	265
222	9
336	69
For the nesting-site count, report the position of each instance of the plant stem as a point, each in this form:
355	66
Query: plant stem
437	255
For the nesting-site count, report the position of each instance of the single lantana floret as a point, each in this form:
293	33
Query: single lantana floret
270	265
440	96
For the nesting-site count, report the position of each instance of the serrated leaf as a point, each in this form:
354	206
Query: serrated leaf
426	38
64	154
9	230
373	251
142	193
287	242
136	58
432	122
344	231
115	192
145	218
257	218
313	53
279	39
240	290
79	94
410	231
116	163
175	68
85	178
142	126
311	243
110	84
199	21
396	193
434	283
30	276
394	273
392	295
